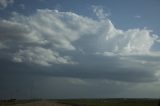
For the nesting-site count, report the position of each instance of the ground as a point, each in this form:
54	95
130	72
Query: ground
82	102
37	103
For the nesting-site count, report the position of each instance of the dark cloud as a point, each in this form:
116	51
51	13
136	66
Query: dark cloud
91	68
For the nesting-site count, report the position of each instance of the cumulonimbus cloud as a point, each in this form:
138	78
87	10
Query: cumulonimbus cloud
50	37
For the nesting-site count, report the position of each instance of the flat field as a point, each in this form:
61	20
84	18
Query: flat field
83	102
32	103
112	102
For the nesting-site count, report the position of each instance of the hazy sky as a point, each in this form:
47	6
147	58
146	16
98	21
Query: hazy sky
79	49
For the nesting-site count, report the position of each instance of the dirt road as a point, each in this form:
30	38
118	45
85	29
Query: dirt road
42	103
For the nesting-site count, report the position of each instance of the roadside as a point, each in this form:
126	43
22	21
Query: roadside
40	103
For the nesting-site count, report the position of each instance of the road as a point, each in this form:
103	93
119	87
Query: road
42	103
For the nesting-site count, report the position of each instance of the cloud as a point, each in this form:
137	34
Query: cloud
137	16
45	29
2	46
22	6
41	56
4	3
100	13
53	38
77	81
131	42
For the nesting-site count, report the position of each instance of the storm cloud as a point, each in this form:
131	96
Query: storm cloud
65	44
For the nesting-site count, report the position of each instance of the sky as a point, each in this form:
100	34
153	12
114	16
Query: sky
56	49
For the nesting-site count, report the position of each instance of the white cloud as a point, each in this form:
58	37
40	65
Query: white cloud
16	31
4	3
100	12
131	42
41	56
59	29
48	28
